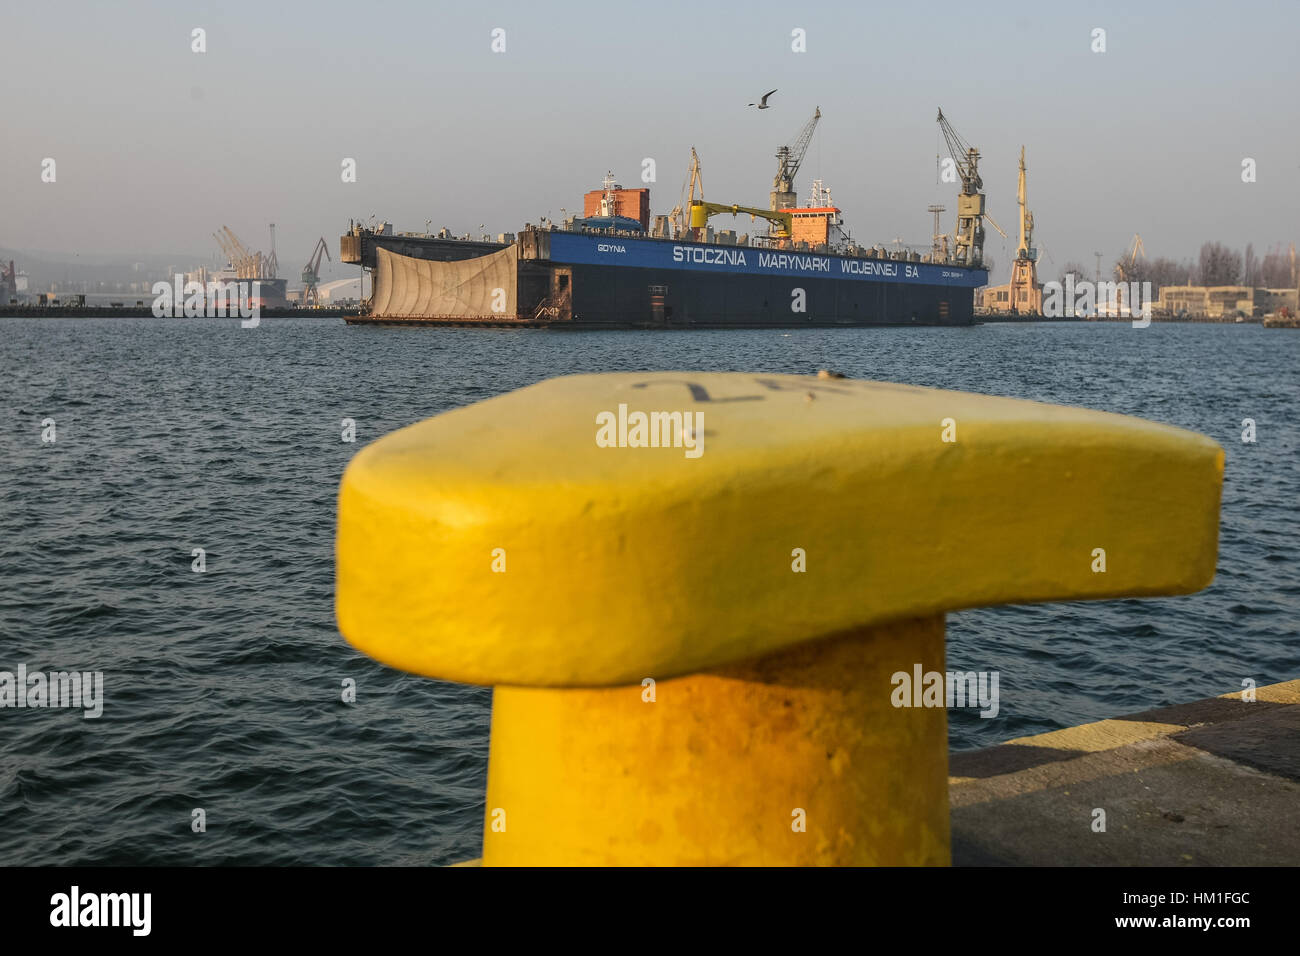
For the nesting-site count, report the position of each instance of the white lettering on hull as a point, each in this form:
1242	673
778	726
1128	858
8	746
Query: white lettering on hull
709	257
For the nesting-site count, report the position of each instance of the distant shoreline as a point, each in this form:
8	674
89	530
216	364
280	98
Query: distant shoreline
146	312
1166	320
137	312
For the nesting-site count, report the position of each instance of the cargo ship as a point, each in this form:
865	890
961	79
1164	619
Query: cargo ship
614	268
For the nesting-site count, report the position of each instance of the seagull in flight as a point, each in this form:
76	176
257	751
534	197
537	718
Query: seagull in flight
762	104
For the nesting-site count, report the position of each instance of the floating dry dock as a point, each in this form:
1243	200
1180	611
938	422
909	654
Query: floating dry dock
553	278
1211	783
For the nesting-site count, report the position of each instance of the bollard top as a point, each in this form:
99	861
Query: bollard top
530	539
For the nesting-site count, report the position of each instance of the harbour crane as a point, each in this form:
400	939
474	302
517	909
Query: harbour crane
782	220
788	160
1025	249
1024	292
311	274
1126	268
247	265
1136	249
227	249
694	178
969	237
237	254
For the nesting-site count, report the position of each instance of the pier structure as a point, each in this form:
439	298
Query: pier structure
1207	783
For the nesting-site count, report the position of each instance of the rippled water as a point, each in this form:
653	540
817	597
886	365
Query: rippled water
223	688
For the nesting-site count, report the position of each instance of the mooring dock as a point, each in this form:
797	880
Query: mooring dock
1211	783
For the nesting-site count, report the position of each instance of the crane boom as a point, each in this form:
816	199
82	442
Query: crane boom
966	156
1125	268
226	249
788	160
1137	249
241	251
694	178
1025	249
321	247
701	212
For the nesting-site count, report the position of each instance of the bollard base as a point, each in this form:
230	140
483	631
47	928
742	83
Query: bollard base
799	758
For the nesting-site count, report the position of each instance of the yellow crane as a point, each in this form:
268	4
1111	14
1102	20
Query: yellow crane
1026	296
228	250
782	221
694	179
1025	250
1125	266
247	265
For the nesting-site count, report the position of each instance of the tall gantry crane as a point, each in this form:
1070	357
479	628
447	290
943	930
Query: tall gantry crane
311	274
1025	296
968	245
788	160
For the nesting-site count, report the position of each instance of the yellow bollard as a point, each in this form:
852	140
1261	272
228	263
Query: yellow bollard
693	645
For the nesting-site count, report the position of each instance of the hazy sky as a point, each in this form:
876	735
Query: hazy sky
157	146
